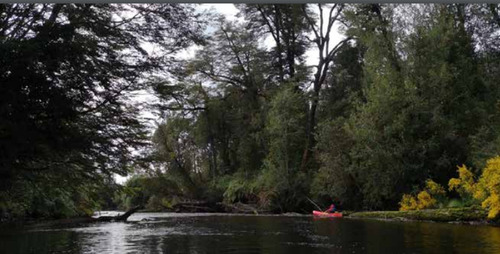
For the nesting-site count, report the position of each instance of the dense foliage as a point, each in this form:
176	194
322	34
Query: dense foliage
406	95
67	75
396	95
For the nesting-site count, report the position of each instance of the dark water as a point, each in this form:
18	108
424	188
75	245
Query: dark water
203	233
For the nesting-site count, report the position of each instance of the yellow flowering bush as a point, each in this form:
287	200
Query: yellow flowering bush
434	188
488	189
408	202
464	184
425	199
492	203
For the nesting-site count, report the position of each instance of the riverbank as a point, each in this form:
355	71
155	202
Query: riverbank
194	206
466	215
471	215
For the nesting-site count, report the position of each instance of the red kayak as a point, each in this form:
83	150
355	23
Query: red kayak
323	214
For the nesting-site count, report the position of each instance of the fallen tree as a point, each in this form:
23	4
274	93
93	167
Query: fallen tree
122	217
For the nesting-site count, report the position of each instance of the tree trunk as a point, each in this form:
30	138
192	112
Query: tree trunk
122	217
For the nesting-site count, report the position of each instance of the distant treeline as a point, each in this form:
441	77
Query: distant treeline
407	93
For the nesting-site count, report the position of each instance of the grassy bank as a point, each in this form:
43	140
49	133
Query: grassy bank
467	214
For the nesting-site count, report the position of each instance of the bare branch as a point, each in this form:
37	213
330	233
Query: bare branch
311	23
235	51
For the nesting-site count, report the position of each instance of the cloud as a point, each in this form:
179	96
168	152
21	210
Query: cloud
228	10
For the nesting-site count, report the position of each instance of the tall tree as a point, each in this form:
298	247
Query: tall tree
68	72
288	27
342	93
326	53
285	130
421	92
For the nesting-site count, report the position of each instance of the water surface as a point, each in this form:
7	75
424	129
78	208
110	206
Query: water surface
223	233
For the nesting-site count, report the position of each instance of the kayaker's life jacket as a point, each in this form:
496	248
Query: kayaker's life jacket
331	209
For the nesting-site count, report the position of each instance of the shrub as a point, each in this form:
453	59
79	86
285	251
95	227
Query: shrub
424	200
427	198
488	188
408	202
434	188
239	189
464	184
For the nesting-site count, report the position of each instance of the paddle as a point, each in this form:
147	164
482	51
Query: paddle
319	208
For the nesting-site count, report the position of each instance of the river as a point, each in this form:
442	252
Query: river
226	233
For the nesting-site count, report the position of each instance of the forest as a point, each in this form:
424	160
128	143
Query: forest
402	93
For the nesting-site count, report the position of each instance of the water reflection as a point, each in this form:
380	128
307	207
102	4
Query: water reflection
429	237
202	233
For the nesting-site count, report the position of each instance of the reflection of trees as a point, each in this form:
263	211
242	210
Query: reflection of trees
42	242
425	237
249	234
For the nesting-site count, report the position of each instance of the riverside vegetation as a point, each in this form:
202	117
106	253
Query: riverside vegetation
379	121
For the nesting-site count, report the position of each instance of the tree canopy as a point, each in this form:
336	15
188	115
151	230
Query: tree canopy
396	94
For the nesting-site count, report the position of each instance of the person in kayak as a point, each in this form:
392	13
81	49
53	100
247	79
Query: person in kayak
331	209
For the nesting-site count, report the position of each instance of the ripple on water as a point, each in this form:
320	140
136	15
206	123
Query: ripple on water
204	233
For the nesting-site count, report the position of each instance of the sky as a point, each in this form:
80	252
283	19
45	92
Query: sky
230	12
